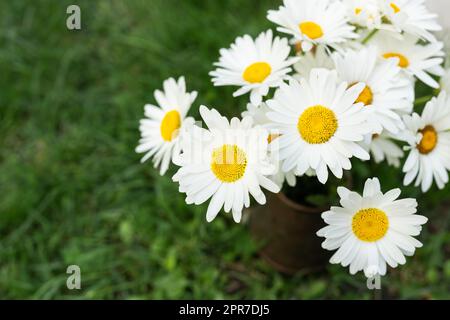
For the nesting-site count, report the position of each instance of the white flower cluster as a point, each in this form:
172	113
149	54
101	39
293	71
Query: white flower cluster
347	91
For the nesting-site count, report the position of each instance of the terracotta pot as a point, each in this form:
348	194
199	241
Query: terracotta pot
287	231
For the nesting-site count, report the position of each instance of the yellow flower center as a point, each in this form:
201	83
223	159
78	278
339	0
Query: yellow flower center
228	163
358	11
317	124
366	96
370	224
395	7
311	29
257	72
170	125
403	61
429	140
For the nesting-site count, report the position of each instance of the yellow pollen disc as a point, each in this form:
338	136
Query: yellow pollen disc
403	61
311	29
370	224
395	7
170	125
429	140
317	124
366	96
358	11
257	72
228	163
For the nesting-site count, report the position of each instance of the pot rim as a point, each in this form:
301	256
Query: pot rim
300	207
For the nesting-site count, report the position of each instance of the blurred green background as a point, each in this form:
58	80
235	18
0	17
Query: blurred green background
72	190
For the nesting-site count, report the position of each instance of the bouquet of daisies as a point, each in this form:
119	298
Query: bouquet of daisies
339	85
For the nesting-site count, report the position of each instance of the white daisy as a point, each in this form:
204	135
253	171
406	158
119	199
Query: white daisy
364	13
254	65
225	163
445	81
387	94
429	139
313	22
382	147
259	116
411	16
258	113
415	59
314	59
160	128
280	177
319	123
371	230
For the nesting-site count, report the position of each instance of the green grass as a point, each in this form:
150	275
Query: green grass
72	190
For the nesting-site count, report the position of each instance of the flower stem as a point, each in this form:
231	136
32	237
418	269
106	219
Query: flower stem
422	100
370	36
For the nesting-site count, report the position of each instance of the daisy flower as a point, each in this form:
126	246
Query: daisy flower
411	16
226	163
314	59
161	127
259	116
445	81
383	148
372	230
387	95
320	124
364	13
313	22
415	59
429	139
254	65
258	113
